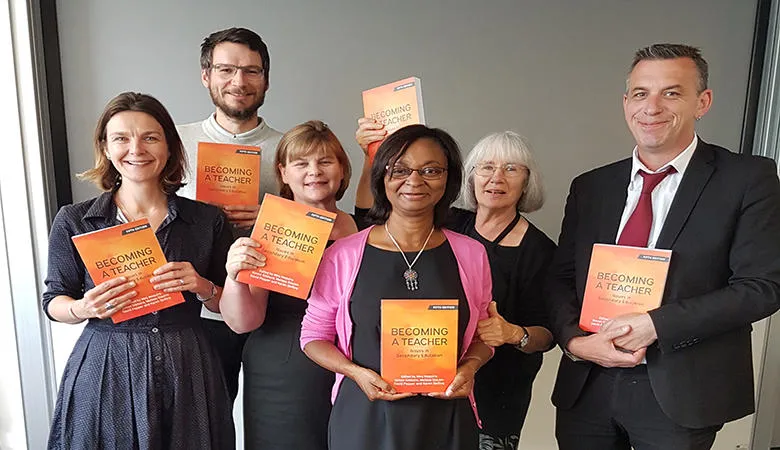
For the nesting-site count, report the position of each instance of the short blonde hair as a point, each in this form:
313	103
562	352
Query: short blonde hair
505	146
306	139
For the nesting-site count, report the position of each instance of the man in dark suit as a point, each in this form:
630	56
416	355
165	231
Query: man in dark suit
671	377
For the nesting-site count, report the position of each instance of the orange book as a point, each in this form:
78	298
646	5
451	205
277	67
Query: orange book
622	280
293	237
228	174
419	344
130	250
395	105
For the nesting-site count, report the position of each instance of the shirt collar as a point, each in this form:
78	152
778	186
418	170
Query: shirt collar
680	162
220	134
104	208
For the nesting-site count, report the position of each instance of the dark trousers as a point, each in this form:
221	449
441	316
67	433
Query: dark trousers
229	347
617	411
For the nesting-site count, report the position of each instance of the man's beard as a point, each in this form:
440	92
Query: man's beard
235	113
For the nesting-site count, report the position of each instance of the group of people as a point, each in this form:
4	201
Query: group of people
666	379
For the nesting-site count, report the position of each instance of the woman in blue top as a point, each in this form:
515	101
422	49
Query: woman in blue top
152	382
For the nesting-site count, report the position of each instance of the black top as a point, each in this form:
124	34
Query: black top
415	423
192	231
503	385
435	266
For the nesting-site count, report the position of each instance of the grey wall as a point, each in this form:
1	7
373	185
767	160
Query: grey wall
552	70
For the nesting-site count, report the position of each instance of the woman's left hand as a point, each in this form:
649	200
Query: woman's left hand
461	385
495	330
180	277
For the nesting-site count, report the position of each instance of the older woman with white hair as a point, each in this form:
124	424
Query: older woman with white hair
502	181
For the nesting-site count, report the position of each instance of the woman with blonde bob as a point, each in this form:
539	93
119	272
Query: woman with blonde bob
154	381
502	181
286	395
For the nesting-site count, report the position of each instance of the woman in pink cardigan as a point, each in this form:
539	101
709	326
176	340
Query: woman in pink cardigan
415	177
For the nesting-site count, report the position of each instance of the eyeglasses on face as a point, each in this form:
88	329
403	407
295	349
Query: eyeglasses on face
427	173
227	71
509	169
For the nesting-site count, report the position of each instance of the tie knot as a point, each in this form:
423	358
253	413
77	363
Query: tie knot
651	180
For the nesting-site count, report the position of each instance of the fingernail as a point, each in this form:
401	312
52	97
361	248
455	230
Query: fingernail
132	284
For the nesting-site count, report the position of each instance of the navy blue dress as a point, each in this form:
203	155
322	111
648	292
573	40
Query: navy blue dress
153	382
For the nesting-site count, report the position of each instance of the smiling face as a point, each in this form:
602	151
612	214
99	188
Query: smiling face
503	188
136	146
415	195
313	178
240	95
662	103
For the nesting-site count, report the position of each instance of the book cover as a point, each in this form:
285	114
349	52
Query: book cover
228	174
395	105
293	237
130	250
419	344
622	280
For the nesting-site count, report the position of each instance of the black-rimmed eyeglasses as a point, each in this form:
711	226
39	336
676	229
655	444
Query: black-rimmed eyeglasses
427	173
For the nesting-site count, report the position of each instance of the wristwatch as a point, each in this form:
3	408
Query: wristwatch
205	299
523	340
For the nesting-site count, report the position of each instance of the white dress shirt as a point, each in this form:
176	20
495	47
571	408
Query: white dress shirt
662	195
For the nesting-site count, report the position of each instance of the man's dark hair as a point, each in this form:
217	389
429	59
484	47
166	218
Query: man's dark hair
394	148
674	51
236	36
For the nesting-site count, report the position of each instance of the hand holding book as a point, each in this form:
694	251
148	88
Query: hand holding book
130	251
463	383
293	237
241	216
180	277
369	131
244	254
600	348
393	105
642	331
104	300
374	386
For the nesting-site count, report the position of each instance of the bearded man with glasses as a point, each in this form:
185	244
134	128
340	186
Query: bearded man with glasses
234	68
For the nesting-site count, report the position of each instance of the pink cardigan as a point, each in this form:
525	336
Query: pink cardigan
327	315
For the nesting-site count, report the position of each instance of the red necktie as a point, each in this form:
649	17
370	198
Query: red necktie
636	233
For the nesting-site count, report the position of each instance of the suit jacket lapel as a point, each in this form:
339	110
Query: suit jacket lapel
614	201
696	176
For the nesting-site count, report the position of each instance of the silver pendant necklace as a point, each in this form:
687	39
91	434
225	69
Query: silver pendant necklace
410	275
